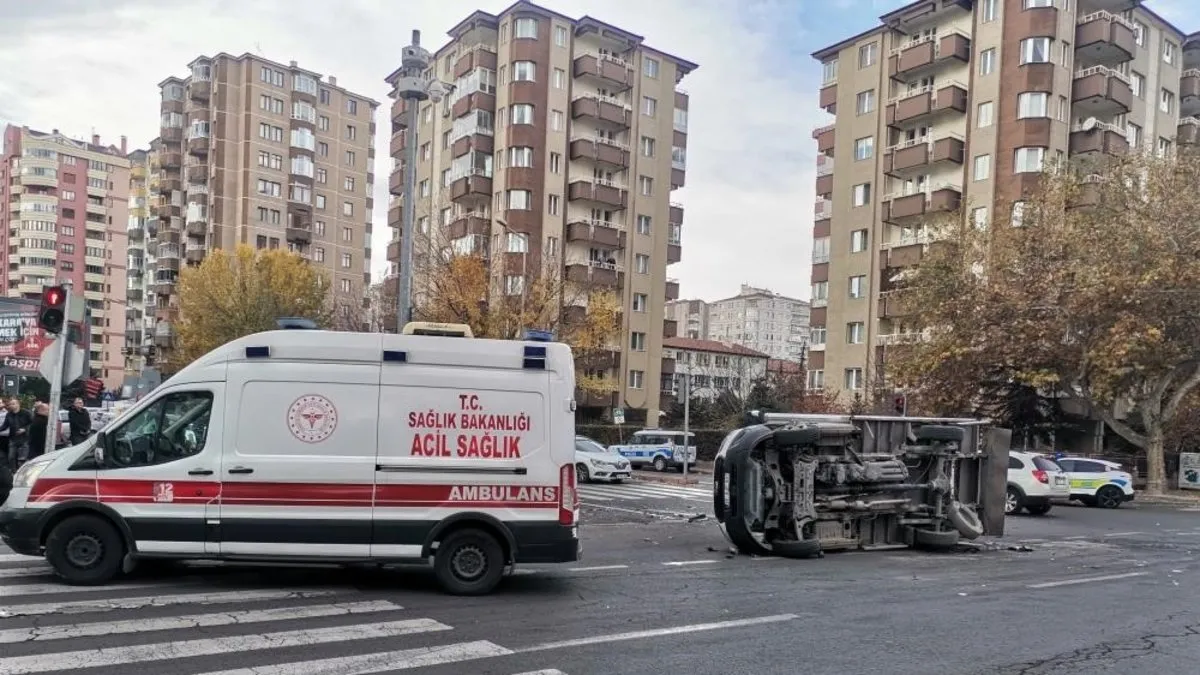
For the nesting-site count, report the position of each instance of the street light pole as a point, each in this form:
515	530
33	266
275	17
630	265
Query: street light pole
412	87
687	414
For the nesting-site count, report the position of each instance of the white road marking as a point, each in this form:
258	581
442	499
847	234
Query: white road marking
1087	580
657	632
681	563
55	589
157	601
13	557
1123	534
166	651
380	662
240	617
13	572
547	671
598	568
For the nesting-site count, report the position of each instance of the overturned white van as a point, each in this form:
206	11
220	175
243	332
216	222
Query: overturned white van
307	445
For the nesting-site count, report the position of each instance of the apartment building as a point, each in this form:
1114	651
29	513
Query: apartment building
560	143
756	318
690	316
951	105
275	156
67	207
141	232
715	367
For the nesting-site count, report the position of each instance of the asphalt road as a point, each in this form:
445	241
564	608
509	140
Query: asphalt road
1087	591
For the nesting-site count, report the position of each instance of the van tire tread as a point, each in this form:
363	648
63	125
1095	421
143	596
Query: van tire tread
102	531
493	554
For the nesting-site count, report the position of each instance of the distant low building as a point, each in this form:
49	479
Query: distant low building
714	367
756	318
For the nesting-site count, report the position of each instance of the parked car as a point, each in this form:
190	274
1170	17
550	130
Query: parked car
1033	480
1097	482
594	462
659	448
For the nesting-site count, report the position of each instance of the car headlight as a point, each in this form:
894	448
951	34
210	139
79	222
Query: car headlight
28	474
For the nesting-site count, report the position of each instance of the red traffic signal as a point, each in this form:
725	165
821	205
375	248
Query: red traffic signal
93	387
52	314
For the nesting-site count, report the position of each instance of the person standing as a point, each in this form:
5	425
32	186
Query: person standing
38	429
16	425
80	422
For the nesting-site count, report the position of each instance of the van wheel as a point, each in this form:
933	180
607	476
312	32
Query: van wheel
85	550
660	463
582	475
469	562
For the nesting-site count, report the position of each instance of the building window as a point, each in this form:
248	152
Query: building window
983	167
514	284
524	71
560	78
556	120
820	251
988	11
641	263
987	61
1139	33
346	260
635	379
984	115
1018	214
864	148
862	194
1029	160
521	200
858	286
856	332
820	291
1164	147
1033	104
868	54
521	113
1169	49
640	301
854	379
555	162
525	28
561	35
865	102
816	380
650	67
351	106
1133	134
1030	4
553	204
1137	84
649	106
646	185
519	156
320	202
637	341
348	184
829	72
647	146
979	216
1035	50
643	224
858	241
344	285
1166	101
323	123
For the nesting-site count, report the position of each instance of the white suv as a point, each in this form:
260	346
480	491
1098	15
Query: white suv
1033	480
1098	482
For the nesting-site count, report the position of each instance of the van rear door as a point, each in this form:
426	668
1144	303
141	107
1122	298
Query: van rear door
463	427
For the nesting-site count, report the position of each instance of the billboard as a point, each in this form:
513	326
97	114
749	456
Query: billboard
21	341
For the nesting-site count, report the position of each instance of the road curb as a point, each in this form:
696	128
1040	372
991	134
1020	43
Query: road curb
692	479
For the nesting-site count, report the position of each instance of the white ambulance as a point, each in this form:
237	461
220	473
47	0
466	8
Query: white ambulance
307	445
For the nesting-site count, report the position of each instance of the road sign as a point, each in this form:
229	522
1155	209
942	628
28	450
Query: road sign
618	416
74	365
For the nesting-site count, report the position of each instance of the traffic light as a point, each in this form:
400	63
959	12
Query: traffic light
92	388
899	402
52	314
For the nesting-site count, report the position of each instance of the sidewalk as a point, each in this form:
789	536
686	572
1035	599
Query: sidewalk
1179	497
701	474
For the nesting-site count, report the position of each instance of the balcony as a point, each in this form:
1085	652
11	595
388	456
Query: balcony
1098	137
473	187
594	399
169	211
606	109
1188	131
196	227
395	213
670	328
599	191
1100	92
828	98
1189	92
194	255
921	153
171	105
892	305
477	56
399	114
923	54
611	71
825	138
169	135
1103	38
935	200
197	173
672	290
595	272
674	252
172	160
396	182
905	250
476	100
601	151
200	90
823	209
299	235
603	233
894	339
198	146
473	223
825	186
675	213
921	102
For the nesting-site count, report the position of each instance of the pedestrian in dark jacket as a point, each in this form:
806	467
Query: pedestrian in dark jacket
80	422
16	427
37	430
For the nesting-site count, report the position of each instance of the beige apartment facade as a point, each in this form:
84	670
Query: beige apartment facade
139	290
66	208
956	106
252	151
560	143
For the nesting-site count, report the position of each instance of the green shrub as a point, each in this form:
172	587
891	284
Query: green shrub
707	440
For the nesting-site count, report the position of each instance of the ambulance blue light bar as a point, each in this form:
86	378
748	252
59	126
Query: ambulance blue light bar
258	352
533	335
295	323
535	357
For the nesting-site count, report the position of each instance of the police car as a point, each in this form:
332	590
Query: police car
308	445
1097	482
659	448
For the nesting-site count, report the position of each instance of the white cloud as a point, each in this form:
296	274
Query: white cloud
69	64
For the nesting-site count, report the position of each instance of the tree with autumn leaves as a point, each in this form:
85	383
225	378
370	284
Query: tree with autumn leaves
233	294
1089	291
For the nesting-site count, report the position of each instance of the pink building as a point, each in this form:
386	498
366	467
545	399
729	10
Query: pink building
66	218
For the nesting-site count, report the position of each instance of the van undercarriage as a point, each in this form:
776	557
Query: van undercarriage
799	485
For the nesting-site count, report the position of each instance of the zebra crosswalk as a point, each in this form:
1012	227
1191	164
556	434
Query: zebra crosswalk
193	624
637	491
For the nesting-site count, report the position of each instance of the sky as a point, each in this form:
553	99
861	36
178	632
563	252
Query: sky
83	66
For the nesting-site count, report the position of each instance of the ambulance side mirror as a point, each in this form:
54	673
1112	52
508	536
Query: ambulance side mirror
98	448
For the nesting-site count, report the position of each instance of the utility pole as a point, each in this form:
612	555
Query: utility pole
61	343
687	414
412	87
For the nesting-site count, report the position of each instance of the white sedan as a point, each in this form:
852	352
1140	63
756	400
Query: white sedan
594	462
1097	482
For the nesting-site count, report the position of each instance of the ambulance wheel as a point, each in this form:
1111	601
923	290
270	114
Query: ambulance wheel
85	550
469	562
660	463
